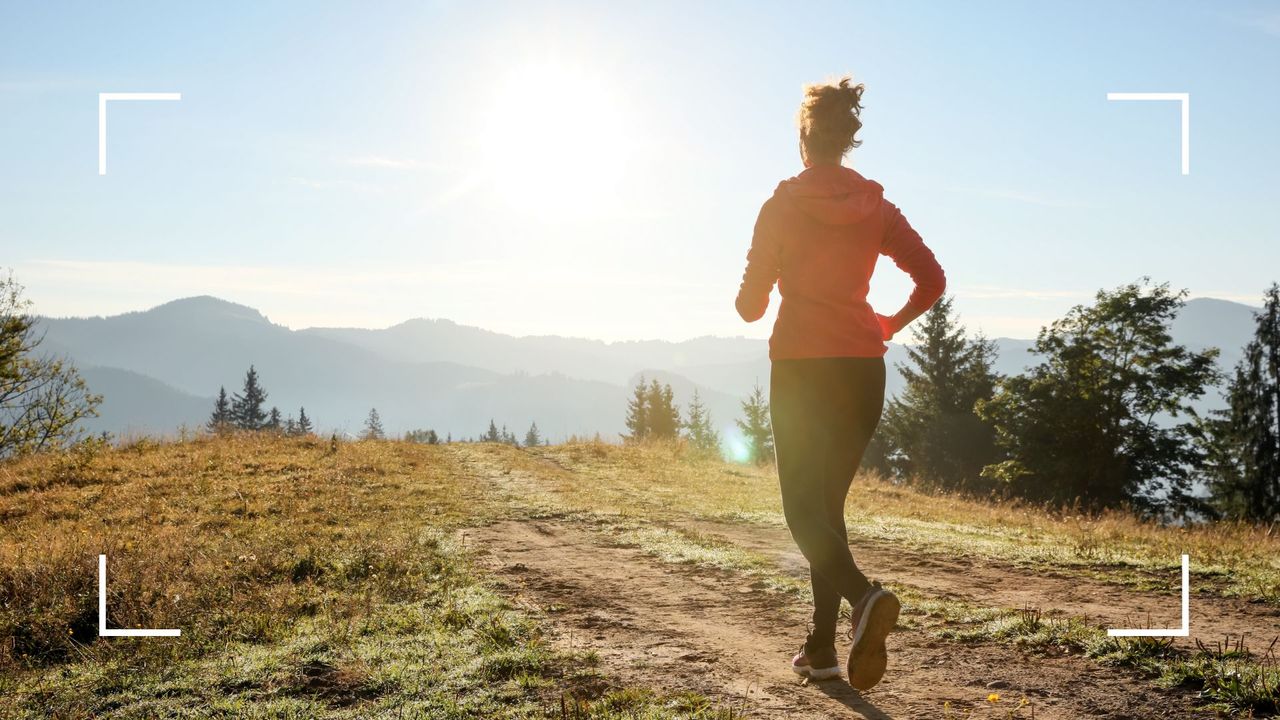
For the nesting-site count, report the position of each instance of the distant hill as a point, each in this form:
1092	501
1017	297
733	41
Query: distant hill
160	368
1208	322
188	348
443	340
134	404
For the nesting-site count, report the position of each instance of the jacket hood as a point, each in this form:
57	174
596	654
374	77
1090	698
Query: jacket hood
833	194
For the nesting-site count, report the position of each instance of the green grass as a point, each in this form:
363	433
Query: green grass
662	482
1231	679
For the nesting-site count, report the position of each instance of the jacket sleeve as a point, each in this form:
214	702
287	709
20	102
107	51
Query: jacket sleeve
907	250
763	267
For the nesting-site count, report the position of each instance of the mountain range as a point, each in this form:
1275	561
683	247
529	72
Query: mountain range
160	369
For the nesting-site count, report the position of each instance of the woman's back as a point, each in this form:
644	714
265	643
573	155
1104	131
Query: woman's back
819	237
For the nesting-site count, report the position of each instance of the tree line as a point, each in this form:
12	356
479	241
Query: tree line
1103	419
246	410
653	415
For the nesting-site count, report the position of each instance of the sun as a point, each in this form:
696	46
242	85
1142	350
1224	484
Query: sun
558	141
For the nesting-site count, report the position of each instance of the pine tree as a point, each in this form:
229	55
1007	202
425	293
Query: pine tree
246	405
290	427
304	422
930	432
492	435
508	438
755	427
532	438
373	426
220	420
426	437
1244	453
273	420
662	415
638	413
699	429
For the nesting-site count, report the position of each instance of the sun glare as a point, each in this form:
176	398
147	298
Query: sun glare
558	140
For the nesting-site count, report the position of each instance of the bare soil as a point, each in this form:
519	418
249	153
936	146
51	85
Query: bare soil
990	584
677	628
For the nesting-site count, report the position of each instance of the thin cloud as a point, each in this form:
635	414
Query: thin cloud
1251	299
996	292
303	296
316	184
459	189
382	161
1024	197
1006	326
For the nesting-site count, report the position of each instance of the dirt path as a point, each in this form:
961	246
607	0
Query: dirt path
680	628
1003	586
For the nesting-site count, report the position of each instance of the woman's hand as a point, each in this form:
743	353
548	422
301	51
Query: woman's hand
886	327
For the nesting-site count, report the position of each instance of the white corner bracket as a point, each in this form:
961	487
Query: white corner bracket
1185	630
1185	99
103	630
103	98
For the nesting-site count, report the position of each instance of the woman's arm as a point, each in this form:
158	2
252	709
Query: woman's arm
762	271
908	251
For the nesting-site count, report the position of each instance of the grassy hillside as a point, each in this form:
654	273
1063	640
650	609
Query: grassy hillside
307	580
311	579
656	482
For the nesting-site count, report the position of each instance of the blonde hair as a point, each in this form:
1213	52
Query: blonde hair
828	119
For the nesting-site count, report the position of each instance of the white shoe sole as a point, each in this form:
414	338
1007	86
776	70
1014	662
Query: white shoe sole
818	674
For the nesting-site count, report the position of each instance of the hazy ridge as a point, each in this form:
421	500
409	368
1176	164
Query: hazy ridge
160	368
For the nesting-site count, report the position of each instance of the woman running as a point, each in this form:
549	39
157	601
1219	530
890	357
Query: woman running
818	238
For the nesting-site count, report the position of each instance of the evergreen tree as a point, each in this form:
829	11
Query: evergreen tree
755	427
508	438
1244	453
532	438
304	422
273	420
930	432
373	426
290	427
246	405
876	457
220	420
426	437
638	413
662	415
492	435
1088	424
699	430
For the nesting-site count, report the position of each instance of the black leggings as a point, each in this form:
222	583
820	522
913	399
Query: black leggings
824	411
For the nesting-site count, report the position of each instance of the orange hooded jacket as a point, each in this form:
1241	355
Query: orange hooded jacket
818	238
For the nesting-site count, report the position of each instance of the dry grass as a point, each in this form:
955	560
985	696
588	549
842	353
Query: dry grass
654	481
308	580
218	537
311	580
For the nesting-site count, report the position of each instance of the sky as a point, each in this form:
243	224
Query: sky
595	169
